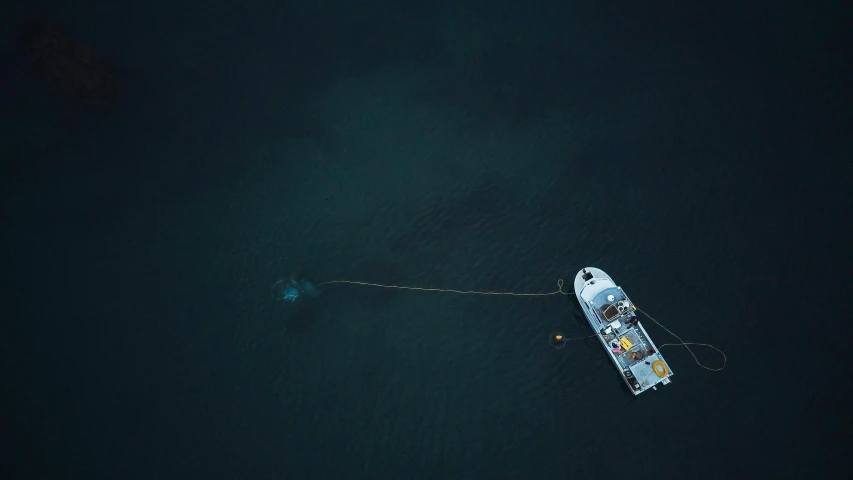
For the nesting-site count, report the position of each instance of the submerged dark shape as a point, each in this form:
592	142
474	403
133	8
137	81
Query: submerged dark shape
70	66
293	291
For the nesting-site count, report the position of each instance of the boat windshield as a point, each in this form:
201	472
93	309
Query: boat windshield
607	304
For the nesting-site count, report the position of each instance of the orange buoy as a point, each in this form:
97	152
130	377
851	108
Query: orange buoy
557	340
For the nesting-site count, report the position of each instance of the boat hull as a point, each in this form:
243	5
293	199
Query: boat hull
610	314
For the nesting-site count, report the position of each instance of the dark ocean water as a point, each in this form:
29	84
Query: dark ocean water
693	152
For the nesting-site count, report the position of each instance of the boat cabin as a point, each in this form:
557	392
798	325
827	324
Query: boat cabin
611	305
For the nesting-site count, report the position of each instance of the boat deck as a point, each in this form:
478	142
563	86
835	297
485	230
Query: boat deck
639	357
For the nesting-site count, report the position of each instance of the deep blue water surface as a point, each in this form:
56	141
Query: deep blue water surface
460	145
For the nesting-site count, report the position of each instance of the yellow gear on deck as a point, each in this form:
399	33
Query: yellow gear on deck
626	344
660	368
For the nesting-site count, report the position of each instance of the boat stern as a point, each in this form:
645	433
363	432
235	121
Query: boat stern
650	372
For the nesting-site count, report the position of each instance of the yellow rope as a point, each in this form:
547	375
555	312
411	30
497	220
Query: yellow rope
685	345
513	294
450	290
564	339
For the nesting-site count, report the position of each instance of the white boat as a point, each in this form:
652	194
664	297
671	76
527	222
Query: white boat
611	314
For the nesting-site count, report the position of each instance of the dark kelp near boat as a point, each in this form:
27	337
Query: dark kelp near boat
70	66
